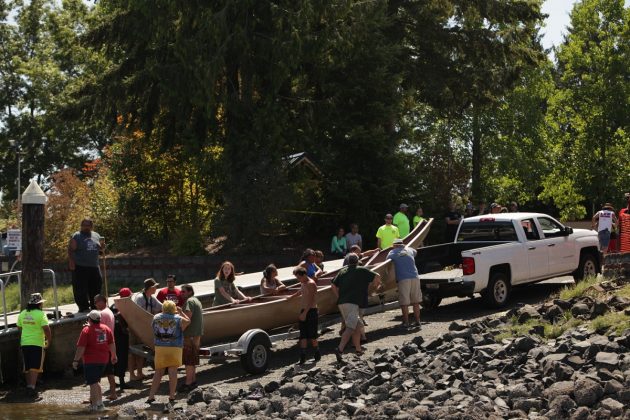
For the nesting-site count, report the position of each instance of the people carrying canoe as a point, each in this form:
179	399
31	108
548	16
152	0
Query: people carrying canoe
308	262
270	284
224	289
308	318
351	286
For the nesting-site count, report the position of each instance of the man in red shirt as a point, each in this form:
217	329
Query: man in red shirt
170	292
95	346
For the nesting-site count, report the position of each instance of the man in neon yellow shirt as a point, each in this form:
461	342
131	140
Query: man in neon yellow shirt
419	217
34	338
402	221
386	234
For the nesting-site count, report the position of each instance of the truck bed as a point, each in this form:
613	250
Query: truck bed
434	258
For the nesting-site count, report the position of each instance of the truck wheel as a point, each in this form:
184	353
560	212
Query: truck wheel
588	267
430	302
256	360
498	291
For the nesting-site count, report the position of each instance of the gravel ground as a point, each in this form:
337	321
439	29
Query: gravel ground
382	332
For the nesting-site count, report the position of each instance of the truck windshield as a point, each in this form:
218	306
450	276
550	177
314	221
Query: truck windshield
487	232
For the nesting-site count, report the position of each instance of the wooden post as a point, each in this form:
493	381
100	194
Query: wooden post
33	204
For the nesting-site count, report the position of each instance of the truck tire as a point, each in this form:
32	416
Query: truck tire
256	360
497	293
588	267
430	302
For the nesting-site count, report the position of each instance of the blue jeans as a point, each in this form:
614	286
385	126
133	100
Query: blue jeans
604	239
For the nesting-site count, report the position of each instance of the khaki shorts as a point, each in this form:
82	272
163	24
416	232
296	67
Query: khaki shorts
350	314
409	292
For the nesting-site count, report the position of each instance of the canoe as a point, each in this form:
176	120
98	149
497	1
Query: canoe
228	322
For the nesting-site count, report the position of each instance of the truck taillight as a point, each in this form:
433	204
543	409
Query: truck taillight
468	265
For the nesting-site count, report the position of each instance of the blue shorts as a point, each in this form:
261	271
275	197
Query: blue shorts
604	239
93	373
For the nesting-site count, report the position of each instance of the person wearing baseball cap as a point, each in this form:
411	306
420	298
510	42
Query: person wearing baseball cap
386	234
96	347
605	221
124	292
35	337
409	292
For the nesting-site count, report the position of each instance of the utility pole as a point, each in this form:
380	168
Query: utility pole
33	204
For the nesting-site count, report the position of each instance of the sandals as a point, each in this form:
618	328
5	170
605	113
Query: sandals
150	400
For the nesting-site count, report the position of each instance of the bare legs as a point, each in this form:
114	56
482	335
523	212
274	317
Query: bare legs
172	382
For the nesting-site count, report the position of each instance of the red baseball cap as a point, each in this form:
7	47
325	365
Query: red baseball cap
124	292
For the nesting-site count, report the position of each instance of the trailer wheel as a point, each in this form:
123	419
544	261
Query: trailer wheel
497	293
256	360
430	302
588	267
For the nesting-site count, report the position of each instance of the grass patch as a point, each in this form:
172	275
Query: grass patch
514	329
612	320
64	295
579	290
624	292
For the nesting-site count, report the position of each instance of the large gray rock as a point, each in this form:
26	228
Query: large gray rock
615	407
562	404
526	313
527	404
587	392
292	388
559	388
580	309
524	344
606	359
441	395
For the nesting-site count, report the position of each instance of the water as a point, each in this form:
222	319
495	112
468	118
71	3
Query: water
36	411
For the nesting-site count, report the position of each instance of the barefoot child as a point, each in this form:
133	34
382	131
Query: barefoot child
308	314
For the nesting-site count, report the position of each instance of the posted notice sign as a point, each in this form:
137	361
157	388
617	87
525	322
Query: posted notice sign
14	238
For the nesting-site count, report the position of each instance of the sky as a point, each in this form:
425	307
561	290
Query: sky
557	22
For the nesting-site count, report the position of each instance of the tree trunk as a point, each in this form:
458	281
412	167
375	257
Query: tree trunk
32	250
476	156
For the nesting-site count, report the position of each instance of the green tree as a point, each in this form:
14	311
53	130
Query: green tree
589	115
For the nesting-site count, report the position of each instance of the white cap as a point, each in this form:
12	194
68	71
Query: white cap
33	194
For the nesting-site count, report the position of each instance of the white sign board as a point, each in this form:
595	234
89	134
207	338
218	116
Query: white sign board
14	238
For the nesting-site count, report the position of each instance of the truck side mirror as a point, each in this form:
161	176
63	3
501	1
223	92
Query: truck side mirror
567	230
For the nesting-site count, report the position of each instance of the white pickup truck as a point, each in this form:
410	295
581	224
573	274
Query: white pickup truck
493	253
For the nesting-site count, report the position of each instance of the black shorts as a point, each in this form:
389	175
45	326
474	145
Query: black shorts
93	373
308	327
109	369
33	358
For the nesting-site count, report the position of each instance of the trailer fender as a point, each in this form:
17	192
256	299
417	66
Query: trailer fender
247	337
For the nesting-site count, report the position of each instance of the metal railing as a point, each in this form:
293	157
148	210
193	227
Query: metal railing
18	274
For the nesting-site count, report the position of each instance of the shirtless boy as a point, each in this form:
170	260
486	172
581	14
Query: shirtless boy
308	314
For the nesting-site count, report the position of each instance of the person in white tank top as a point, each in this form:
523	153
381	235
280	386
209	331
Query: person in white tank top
604	220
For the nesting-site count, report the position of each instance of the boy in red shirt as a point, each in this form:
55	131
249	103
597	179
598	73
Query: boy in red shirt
96	347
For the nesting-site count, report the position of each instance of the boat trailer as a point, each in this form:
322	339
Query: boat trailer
254	346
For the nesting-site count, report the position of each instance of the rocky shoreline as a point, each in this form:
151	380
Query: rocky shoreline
467	373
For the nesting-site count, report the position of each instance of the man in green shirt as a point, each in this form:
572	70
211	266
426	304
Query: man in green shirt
351	286
386	234
34	338
192	336
402	221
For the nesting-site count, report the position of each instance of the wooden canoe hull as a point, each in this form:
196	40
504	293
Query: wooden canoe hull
269	312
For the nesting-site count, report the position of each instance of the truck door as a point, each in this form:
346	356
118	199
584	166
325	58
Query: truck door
537	252
561	249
